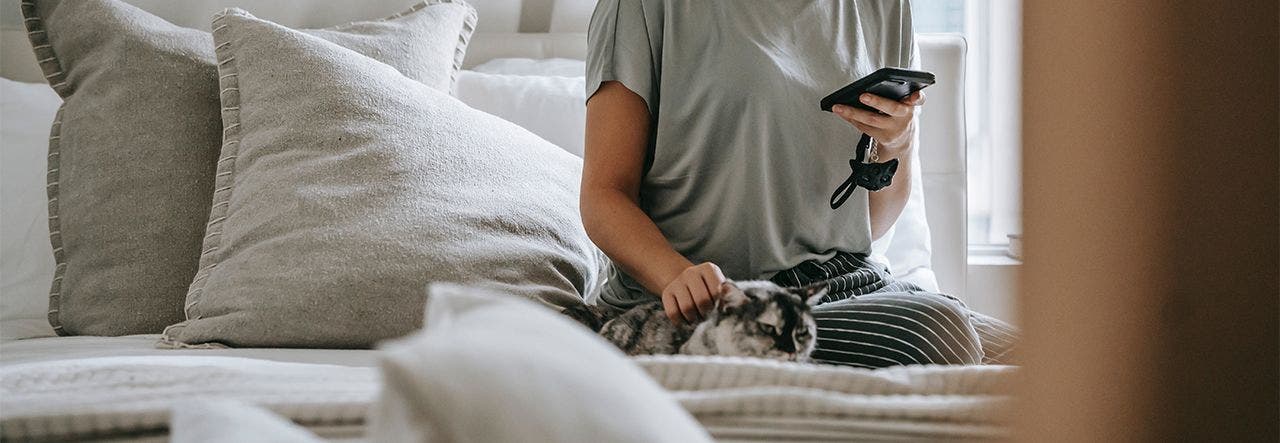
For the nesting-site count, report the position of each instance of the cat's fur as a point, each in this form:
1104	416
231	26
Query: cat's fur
751	319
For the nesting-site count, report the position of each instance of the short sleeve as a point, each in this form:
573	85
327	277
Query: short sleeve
908	50
625	45
912	49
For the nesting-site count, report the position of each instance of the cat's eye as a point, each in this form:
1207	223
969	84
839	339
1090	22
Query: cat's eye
768	329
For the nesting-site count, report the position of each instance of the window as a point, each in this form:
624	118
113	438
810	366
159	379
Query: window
992	29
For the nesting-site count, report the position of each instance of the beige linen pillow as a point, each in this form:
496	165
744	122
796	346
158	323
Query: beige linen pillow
345	187
133	149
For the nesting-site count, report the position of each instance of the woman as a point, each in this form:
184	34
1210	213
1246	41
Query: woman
708	158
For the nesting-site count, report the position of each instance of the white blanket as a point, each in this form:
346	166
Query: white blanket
734	398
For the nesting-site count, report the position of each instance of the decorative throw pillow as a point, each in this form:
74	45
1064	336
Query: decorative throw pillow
550	106
556	67
345	187
492	369
202	420
26	261
132	153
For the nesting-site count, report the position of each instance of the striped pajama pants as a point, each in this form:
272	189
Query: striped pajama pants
870	320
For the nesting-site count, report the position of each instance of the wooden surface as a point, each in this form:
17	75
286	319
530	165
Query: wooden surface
1150	196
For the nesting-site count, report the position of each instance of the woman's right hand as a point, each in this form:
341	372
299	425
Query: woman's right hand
693	293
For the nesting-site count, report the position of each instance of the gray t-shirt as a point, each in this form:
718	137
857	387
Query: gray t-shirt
742	161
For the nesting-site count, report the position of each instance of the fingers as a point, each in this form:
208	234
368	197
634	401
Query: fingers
867	129
705	305
887	106
915	99
671	307
862	117
711	281
699	298
692	294
688	309
713	278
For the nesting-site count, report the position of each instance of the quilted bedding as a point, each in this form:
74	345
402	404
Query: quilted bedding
82	394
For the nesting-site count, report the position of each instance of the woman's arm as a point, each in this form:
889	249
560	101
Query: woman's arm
894	132
887	204
617	140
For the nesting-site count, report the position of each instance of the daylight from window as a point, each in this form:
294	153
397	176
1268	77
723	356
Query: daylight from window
990	29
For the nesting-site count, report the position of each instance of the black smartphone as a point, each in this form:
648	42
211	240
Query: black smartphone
892	83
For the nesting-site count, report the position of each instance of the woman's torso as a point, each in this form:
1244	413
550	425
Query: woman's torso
743	159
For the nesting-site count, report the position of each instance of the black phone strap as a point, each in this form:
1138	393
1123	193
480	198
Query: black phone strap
872	176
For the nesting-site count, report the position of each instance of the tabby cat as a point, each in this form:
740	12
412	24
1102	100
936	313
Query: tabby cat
751	319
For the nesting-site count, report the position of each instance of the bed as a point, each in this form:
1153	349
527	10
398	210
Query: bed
117	387
121	387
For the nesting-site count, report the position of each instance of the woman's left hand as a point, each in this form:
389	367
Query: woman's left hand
892	129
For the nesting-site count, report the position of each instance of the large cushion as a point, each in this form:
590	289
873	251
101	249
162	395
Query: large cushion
26	260
228	421
132	154
550	106
554	67
345	187
492	369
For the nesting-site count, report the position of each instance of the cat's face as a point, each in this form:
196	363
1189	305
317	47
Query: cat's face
761	319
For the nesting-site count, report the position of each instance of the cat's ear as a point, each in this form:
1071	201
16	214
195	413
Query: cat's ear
731	296
814	293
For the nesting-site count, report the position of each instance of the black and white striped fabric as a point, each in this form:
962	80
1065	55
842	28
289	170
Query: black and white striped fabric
870	320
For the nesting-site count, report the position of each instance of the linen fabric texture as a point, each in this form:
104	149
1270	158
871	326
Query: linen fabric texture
26	261
549	106
133	149
225	421
488	368
344	188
